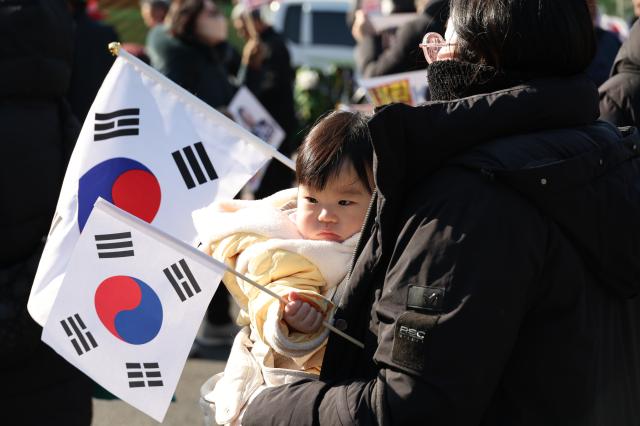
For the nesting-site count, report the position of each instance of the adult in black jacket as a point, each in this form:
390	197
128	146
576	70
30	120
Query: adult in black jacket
37	134
267	72
184	50
404	54
620	95
493	278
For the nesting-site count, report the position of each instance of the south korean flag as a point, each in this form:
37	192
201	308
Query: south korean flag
152	149
129	307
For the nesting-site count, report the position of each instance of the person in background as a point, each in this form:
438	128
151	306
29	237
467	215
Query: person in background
382	40
495	277
37	133
636	11
184	50
91	58
266	71
620	95
607	46
403	54
153	12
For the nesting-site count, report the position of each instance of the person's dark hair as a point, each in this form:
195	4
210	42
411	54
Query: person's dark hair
537	38
335	139
160	4
181	18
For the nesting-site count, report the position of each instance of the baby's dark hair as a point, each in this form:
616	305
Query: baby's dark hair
337	137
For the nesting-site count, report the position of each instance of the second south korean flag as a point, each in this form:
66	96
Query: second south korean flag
130	306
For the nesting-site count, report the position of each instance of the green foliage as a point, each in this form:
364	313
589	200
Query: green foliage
611	7
317	92
128	24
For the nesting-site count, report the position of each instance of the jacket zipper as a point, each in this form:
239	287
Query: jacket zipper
360	240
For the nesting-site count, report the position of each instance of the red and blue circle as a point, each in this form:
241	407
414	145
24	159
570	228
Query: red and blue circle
129	309
123	182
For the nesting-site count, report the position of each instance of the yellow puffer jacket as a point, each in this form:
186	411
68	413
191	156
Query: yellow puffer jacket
260	240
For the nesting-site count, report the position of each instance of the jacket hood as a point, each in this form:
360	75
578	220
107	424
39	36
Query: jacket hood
628	57
543	141
412	142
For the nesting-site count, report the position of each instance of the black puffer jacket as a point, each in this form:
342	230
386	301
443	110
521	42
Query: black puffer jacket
91	61
37	134
620	95
37	130
404	54
494	278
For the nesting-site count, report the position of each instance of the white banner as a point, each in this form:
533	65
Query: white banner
247	111
152	149
130	306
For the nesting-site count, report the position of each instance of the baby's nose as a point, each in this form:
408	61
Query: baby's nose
327	215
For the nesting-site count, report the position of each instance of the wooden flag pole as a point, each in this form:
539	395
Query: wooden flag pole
282	300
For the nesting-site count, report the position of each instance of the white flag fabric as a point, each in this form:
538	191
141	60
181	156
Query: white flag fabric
130	306
152	149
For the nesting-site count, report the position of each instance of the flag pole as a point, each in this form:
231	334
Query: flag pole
282	300
231	126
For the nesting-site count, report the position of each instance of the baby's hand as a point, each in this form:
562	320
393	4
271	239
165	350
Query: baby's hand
300	315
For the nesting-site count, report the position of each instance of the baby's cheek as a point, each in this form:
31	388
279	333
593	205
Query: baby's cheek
304	226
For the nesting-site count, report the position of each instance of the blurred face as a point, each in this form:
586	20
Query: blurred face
211	25
636	7
241	29
151	16
336	212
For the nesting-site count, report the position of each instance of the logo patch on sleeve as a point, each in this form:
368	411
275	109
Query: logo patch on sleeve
411	338
425	298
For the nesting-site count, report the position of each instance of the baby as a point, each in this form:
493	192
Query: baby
299	244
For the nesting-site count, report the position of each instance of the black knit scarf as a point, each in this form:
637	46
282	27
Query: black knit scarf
453	79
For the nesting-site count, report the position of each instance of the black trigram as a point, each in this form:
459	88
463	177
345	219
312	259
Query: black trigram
182	280
114	245
77	332
194	168
144	374
124	122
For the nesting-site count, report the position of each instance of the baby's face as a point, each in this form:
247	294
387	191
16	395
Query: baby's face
336	212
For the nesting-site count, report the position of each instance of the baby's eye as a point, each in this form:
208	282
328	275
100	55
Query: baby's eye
345	202
311	200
